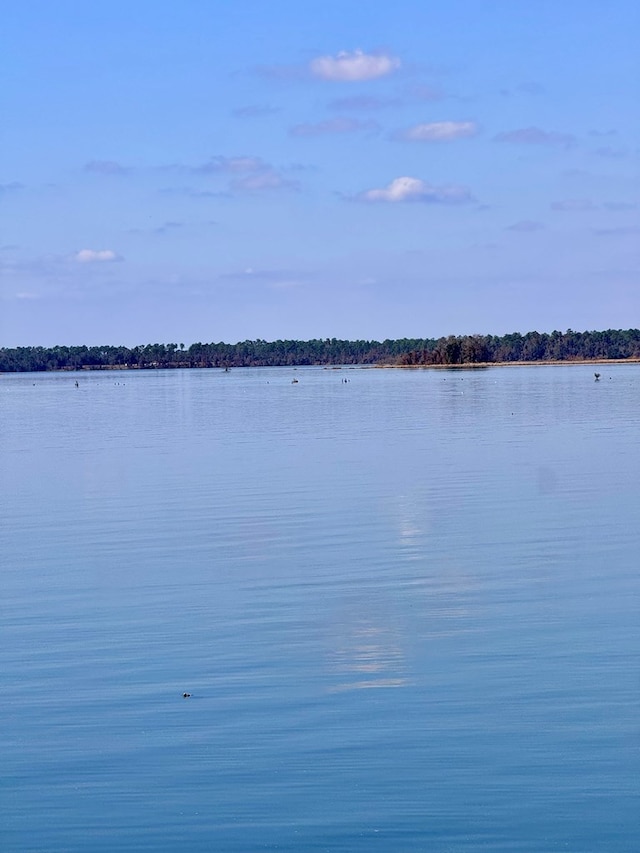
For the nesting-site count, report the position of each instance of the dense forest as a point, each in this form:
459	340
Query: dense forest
452	350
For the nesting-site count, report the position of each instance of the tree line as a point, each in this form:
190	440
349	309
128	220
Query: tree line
451	350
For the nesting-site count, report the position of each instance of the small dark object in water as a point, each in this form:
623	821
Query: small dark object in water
597	375
186	695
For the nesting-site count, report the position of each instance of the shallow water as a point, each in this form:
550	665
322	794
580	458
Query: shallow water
406	608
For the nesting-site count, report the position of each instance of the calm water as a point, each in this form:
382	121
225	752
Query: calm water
406	607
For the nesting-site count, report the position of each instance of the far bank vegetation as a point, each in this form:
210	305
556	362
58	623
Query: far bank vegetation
404	352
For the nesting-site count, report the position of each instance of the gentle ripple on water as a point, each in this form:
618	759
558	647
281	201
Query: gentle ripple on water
406	608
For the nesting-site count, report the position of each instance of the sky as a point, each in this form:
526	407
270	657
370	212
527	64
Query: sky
227	170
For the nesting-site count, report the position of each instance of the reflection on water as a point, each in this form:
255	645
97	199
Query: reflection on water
290	556
367	656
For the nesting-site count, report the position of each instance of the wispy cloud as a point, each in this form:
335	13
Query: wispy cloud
611	153
530	87
406	189
254	111
573	205
353	66
166	227
11	187
93	256
622	231
535	136
284	73
526	88
525	226
249	174
424	93
340	124
279	279
439	131
193	193
264	181
106	167
363	103
579	205
231	166
620	206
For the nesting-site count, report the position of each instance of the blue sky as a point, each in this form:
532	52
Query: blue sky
212	171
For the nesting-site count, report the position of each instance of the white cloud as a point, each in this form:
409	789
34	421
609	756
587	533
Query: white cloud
91	256
407	189
353	67
341	124
440	131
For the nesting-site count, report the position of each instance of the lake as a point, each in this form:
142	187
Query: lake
406	607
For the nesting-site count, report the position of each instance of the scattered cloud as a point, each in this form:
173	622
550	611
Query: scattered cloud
266	180
406	189
578	205
363	103
424	93
92	256
573	205
254	111
249	174
166	227
439	131
530	87
340	124
526	88
526	226
535	136
193	193
611	153
622	231
105	167
246	174
620	206
276	279
11	187
283	72
231	166
354	66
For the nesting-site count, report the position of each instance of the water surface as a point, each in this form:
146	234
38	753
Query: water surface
406	608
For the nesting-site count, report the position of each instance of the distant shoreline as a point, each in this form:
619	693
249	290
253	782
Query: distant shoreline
485	365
